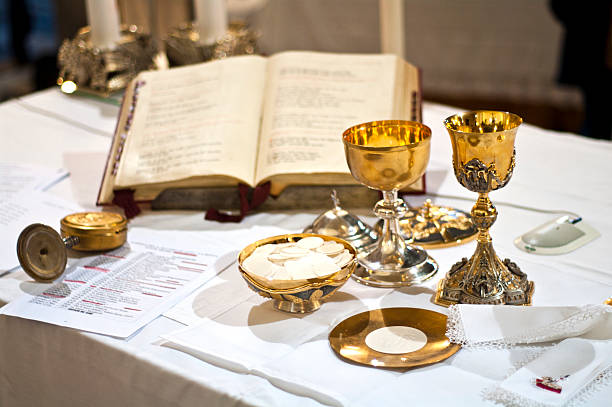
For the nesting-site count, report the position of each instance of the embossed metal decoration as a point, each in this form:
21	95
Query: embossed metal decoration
478	177
183	46
434	227
104	71
483	160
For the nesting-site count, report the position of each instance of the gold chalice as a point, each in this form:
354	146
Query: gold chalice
483	159
389	155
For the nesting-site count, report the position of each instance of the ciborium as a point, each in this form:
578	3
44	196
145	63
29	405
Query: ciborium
483	160
388	156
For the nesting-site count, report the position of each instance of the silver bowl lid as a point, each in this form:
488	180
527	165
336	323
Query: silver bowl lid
340	223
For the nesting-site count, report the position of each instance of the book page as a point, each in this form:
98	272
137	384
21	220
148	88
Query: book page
199	120
17	177
311	98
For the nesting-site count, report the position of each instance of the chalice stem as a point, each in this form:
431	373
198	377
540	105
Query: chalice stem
484	281
390	242
484	215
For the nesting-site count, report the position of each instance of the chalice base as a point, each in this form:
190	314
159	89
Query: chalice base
484	279
408	273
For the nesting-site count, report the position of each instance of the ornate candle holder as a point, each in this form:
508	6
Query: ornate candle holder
483	160
104	71
389	155
183	46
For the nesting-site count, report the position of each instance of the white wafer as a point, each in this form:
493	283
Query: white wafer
260	266
310	243
294	250
343	259
282	257
281	274
331	248
311	257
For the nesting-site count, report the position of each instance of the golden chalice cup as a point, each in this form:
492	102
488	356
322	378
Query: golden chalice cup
389	155
483	160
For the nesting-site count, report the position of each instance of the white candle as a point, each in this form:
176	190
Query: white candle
103	18
392	26
211	19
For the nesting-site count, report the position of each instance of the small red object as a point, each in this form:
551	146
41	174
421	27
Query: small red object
550	384
547	383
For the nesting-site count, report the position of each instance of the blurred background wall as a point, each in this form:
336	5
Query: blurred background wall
494	54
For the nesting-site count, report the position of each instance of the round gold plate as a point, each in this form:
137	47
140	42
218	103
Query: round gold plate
41	252
347	339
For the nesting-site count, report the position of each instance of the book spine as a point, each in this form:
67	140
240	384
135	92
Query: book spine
126	127
417	97
101	200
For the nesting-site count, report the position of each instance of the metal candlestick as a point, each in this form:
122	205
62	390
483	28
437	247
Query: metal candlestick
104	71
184	48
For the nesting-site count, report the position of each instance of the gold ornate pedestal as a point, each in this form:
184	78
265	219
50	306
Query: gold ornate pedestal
104	71
483	159
183	46
484	278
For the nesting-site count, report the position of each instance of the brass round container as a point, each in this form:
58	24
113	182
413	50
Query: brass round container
96	230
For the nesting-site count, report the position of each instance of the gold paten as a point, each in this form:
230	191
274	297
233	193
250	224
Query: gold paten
96	230
347	339
483	160
389	155
296	296
435	227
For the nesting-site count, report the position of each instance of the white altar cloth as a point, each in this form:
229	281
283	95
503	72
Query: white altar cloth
42	364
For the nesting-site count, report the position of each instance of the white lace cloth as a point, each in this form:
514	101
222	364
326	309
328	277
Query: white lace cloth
583	358
502	326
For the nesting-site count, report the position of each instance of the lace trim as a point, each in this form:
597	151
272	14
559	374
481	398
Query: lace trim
571	326
511	399
508	398
603	380
454	326
533	352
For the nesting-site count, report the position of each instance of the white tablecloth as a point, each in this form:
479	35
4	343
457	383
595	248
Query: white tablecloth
42	364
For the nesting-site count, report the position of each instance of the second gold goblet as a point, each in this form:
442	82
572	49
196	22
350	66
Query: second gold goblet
483	160
389	155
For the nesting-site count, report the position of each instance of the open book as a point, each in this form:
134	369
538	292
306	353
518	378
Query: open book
250	119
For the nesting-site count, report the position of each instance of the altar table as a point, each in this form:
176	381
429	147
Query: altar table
43	364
